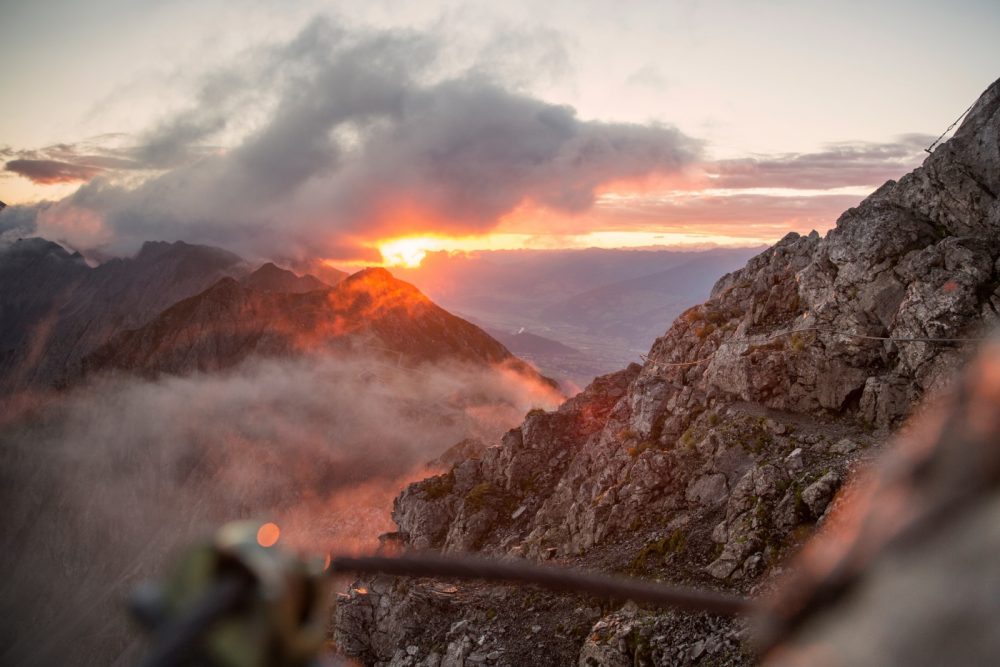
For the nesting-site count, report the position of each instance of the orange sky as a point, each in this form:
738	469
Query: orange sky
633	216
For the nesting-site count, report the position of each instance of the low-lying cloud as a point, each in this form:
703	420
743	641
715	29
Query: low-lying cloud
71	162
18	221
101	485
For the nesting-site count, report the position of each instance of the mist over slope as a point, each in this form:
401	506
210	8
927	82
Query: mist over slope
151	399
102	484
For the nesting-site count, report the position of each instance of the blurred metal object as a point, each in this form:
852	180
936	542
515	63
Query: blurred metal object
233	602
238	601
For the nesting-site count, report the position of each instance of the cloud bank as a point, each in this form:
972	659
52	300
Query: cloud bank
318	147
352	136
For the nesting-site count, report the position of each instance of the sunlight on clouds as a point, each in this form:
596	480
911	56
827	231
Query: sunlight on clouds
409	252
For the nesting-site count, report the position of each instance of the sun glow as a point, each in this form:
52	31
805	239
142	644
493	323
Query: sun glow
408	252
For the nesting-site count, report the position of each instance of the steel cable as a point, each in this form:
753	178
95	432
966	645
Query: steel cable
553	578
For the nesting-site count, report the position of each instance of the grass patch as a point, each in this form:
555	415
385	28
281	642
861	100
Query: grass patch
657	550
478	496
485	495
758	439
439	486
638	646
692	315
797	342
704	331
688	438
627	434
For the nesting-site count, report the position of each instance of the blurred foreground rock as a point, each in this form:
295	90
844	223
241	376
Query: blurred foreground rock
906	569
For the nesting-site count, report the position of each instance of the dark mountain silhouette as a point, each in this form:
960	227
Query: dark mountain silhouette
55	309
270	278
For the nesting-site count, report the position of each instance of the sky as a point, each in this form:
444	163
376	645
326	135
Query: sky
373	131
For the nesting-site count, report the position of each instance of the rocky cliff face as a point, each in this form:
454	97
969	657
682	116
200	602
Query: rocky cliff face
715	458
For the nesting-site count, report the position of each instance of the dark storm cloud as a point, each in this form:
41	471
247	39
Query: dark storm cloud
851	164
364	139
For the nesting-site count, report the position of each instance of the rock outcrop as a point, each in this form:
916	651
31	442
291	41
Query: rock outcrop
715	458
905	570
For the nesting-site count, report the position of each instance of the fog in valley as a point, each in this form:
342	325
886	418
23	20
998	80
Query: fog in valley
102	484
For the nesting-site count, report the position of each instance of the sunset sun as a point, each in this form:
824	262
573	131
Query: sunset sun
408	252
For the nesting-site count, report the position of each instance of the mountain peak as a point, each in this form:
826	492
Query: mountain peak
37	246
157	250
374	274
272	278
380	282
371	311
153	248
982	111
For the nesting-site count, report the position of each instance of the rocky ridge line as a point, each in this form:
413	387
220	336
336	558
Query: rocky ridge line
709	474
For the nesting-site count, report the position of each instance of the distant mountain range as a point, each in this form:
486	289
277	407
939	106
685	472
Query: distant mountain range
523	343
607	305
55	309
369	312
179	308
636	308
270	278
